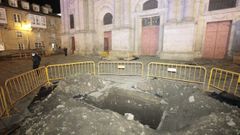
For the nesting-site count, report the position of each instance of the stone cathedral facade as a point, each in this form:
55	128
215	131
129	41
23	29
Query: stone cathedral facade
170	29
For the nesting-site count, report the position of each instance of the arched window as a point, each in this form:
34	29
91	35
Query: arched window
107	19
150	4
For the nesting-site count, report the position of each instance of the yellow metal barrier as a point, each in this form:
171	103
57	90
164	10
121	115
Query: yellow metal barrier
225	80
181	72
3	103
20	86
59	71
120	68
104	54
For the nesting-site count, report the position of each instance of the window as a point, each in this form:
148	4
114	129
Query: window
151	21
221	4
71	21
38	45
151	4
37	20
13	3
107	19
43	20
3	17
25	5
17	18
19	34
21	46
36	8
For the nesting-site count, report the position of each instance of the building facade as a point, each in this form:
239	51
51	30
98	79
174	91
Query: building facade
25	26
170	29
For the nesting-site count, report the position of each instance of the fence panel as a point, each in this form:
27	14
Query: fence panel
23	84
59	71
120	68
3	103
225	80
181	72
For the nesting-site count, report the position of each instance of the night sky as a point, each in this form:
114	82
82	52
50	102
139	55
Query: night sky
54	3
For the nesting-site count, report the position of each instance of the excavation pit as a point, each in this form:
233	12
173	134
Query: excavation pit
95	105
146	109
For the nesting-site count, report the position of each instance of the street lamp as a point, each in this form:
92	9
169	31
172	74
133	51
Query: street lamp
26	27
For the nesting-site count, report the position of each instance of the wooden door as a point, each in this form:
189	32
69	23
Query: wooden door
150	36
107	41
216	41
150	40
73	45
106	44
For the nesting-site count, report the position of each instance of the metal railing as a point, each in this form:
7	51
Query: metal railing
120	68
3	103
181	72
225	80
59	71
22	85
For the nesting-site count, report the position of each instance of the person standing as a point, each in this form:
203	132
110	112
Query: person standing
36	60
65	51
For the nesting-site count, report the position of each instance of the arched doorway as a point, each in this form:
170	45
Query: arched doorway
107	20
150	30
107	41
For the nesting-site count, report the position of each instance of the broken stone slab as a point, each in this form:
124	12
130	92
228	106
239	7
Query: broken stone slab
191	99
97	96
129	116
163	102
231	123
60	106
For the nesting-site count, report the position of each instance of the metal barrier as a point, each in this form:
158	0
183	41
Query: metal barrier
59	71
120	68
20	86
187	73
225	80
3	103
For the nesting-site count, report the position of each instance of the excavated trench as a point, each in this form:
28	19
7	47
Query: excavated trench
145	110
157	104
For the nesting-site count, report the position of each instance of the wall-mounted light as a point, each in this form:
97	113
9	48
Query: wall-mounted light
26	26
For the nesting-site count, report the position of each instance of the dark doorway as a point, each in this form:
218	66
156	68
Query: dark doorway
107	41
73	45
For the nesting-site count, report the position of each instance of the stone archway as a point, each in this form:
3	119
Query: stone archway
161	4
104	31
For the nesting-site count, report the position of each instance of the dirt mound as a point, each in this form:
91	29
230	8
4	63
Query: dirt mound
80	85
184	109
60	113
215	124
189	108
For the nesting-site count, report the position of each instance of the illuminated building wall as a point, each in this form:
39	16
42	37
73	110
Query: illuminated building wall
170	29
27	29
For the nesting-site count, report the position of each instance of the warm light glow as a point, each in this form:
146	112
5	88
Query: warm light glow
26	26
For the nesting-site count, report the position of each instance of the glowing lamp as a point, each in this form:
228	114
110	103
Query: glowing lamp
26	26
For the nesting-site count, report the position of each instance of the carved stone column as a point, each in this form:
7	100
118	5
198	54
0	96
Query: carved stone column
172	11
189	10
126	12
91	14
117	13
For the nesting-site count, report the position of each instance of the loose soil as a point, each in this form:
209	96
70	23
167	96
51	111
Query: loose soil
96	105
